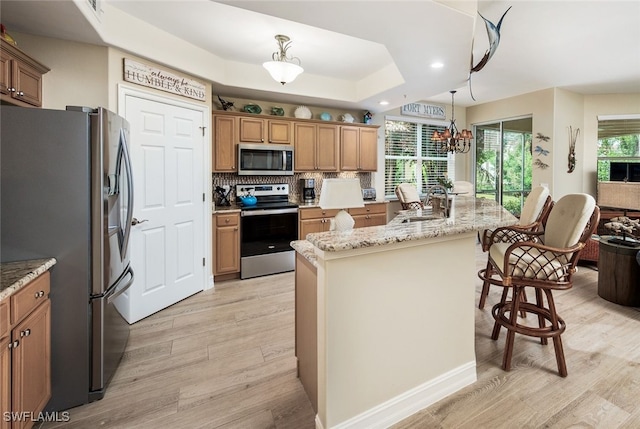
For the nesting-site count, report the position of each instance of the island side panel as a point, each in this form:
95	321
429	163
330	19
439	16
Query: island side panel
306	328
393	320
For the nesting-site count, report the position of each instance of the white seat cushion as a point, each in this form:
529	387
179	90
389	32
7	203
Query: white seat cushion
568	219
533	265
407	193
463	187
533	205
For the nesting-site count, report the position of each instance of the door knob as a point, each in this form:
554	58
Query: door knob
135	221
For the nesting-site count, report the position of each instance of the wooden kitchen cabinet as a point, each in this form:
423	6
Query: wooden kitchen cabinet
316	147
358	148
20	77
225	144
315	219
5	380
25	354
226	241
30	363
258	130
319	145
373	214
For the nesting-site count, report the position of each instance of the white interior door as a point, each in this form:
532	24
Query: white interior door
167	247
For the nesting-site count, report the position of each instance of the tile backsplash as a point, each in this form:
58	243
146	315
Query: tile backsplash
231	179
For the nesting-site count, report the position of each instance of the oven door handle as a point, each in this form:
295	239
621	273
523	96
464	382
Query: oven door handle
267	212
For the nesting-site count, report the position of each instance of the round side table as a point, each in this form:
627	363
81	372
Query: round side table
619	273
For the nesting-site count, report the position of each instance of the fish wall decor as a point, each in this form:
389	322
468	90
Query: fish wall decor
493	34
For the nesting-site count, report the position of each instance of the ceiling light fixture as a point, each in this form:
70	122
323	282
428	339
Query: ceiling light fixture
384	103
452	140
281	68
437	65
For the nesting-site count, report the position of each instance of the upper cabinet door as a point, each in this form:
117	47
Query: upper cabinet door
224	143
327	148
305	146
349	141
28	83
368	150
279	132
251	130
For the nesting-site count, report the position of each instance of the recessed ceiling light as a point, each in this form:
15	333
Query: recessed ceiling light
437	65
384	103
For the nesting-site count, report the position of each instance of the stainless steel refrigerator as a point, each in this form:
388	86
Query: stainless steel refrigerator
66	191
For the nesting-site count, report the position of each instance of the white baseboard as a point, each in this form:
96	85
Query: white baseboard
411	401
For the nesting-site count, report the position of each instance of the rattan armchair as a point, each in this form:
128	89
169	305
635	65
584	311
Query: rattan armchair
408	196
544	267
534	215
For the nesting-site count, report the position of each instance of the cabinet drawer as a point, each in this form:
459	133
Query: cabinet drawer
227	219
4	318
316	213
29	297
368	209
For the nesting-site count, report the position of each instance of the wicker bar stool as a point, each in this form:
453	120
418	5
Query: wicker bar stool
534	215
408	196
544	267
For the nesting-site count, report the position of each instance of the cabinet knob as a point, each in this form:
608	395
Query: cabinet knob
226	220
25	333
12	89
14	344
20	93
39	294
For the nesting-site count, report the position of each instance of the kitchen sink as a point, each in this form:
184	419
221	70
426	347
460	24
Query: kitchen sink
422	218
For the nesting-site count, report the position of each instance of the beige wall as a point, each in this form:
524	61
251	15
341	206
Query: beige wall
116	77
539	105
289	109
568	112
553	111
78	75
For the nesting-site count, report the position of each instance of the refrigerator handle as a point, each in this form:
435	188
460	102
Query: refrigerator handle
129	171
117	292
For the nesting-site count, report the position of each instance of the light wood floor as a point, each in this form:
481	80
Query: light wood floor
225	359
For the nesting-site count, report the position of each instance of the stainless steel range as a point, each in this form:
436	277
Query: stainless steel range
266	230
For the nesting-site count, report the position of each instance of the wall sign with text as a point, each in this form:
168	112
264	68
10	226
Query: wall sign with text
424	110
152	77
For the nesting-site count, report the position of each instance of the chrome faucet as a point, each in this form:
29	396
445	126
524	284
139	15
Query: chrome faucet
438	205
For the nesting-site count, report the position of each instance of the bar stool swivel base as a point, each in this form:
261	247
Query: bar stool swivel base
550	325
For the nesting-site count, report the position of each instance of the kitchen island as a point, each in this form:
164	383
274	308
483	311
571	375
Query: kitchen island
385	315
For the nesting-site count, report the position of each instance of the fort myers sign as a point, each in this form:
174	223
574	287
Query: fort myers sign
425	110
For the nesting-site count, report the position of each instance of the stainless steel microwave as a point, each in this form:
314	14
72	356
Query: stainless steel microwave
265	160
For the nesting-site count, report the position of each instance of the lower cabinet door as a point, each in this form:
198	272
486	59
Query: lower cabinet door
5	382
31	370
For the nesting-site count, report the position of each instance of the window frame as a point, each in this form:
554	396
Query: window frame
419	159
607	159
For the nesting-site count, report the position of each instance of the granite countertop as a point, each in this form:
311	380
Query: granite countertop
316	203
15	275
313	204
306	250
468	214
225	209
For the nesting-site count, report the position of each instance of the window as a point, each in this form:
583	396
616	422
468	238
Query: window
618	145
411	156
